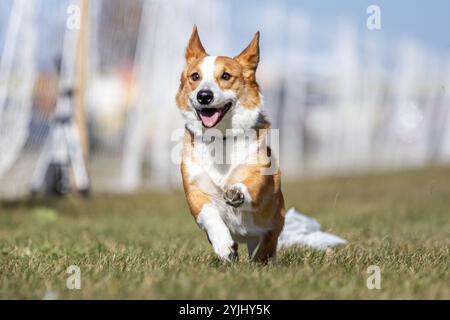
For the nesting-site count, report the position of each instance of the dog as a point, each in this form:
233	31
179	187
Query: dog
238	200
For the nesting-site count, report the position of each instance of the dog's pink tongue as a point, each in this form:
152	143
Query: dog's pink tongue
209	120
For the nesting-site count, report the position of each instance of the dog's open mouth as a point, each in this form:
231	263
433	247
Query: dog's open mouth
212	116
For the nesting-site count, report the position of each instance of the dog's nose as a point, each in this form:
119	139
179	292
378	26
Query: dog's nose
205	96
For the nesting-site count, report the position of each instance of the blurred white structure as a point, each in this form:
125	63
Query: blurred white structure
165	30
17	75
340	107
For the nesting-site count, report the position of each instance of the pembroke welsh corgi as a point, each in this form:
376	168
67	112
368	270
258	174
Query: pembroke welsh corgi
230	191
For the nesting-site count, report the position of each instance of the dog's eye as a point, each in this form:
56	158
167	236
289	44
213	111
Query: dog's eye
195	76
226	76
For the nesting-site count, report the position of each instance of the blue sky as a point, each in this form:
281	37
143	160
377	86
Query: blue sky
425	21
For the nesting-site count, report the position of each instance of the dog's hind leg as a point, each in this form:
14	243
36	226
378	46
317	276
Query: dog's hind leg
266	249
252	246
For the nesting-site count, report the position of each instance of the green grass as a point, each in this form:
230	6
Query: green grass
147	246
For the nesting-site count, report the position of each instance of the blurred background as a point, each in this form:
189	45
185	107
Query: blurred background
348	99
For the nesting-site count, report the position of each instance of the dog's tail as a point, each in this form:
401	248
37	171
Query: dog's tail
301	230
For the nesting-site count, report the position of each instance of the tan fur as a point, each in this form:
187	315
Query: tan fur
187	85
249	59
195	49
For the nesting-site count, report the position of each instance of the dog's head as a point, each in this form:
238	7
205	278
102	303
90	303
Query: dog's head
218	91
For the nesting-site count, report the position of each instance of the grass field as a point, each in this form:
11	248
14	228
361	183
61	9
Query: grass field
147	246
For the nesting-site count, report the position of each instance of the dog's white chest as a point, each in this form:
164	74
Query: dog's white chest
211	167
220	158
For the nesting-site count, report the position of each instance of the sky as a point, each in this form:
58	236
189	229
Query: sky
427	22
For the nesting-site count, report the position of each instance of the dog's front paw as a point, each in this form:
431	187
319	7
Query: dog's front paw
234	196
227	252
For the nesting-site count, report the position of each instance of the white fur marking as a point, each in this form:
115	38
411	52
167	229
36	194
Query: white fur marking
207	67
209	220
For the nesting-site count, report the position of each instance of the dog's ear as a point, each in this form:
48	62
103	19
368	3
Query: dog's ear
249	58
194	49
